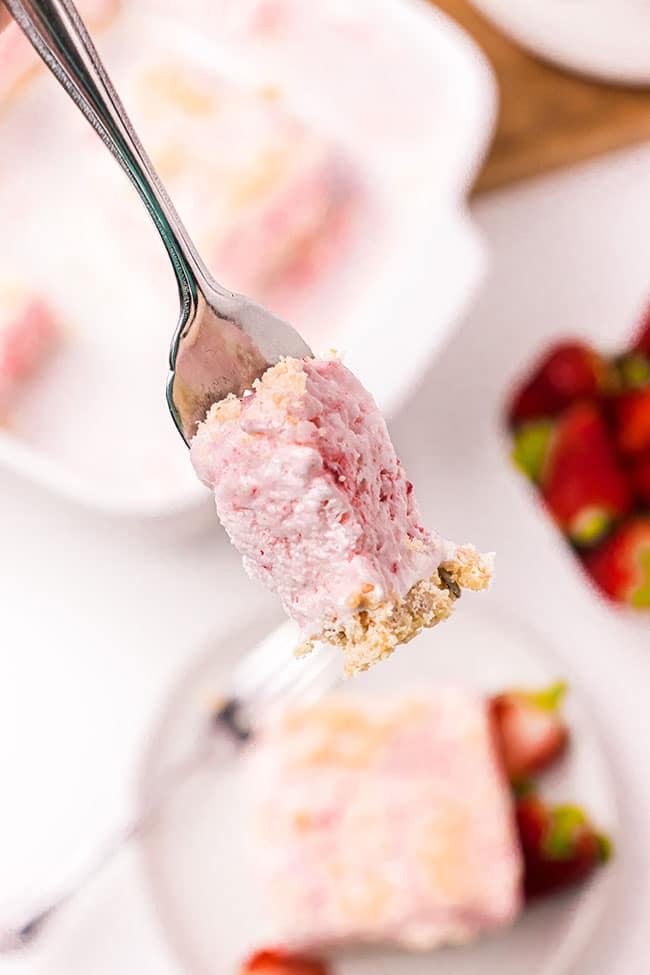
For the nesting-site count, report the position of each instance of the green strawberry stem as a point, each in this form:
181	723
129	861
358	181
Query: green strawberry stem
551	698
531	448
641	595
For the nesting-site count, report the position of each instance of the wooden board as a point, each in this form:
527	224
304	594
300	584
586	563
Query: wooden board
548	118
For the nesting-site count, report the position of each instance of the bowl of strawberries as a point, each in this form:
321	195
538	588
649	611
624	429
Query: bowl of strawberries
580	425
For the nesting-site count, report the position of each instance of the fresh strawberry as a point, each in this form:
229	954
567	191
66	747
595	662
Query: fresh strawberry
278	962
568	372
641	341
632	419
621	565
641	477
529	729
584	484
559	845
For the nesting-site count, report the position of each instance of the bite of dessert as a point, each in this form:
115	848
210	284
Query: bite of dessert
310	490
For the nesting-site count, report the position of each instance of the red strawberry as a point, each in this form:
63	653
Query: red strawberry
570	371
278	962
641	342
529	729
621	565
584	484
632	417
559	845
641	477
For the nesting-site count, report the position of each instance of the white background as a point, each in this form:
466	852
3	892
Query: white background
99	617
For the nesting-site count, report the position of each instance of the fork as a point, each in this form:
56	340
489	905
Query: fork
223	340
265	682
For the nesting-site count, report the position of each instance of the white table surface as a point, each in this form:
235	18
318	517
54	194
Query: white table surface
99	618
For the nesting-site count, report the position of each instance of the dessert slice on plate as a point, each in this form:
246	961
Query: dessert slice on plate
386	821
395	820
311	492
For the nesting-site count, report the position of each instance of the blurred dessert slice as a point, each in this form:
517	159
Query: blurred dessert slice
18	59
311	492
29	331
385	820
410	819
286	234
272	203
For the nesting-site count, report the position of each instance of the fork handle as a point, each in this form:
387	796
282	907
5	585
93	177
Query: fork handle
57	32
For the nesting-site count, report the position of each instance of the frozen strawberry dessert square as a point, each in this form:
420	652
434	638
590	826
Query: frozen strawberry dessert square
310	490
271	201
413	819
29	331
282	239
385	820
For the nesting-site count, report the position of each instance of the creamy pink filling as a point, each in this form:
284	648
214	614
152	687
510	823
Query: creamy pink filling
311	492
385	820
280	243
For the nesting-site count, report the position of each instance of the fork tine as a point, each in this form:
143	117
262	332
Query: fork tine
288	672
270	678
261	663
315	684
299	685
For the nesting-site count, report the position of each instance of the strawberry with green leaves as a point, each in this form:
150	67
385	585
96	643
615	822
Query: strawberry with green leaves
279	962
529	730
559	845
581	479
620	567
570	371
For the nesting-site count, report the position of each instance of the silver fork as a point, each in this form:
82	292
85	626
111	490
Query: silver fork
267	680
223	341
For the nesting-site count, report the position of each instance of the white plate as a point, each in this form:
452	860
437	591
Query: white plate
415	122
194	855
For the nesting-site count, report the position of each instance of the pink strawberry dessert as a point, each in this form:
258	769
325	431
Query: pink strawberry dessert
284	202
28	333
409	819
311	492
385	820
